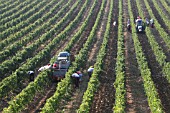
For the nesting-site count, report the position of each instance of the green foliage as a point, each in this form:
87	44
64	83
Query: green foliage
119	85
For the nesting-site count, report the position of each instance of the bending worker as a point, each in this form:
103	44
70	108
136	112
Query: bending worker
31	74
75	77
80	75
128	25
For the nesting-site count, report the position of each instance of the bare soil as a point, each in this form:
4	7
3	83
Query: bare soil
136	100
104	97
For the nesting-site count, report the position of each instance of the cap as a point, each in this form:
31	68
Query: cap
55	65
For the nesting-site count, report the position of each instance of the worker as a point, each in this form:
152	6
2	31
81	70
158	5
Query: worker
55	66
90	71
128	25
60	64
44	67
138	19
152	23
139	24
80	75
75	78
147	21
31	74
114	23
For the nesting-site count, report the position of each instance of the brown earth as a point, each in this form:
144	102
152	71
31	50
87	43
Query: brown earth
104	97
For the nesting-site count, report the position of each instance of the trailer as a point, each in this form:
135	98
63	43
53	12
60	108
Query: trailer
60	66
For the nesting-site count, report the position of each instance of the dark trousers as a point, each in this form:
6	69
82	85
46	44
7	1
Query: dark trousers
31	77
152	25
129	27
89	73
76	81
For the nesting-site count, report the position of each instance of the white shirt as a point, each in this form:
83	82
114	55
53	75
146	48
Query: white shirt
147	21
90	69
114	23
151	21
30	72
75	75
44	67
128	22
138	20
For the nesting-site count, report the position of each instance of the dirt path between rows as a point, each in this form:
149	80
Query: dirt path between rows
104	97
136	100
99	36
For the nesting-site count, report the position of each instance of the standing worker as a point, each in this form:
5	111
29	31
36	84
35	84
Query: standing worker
152	22
114	23
138	20
147	21
90	71
31	74
128	25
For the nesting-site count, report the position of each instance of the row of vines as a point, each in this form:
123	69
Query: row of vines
32	33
